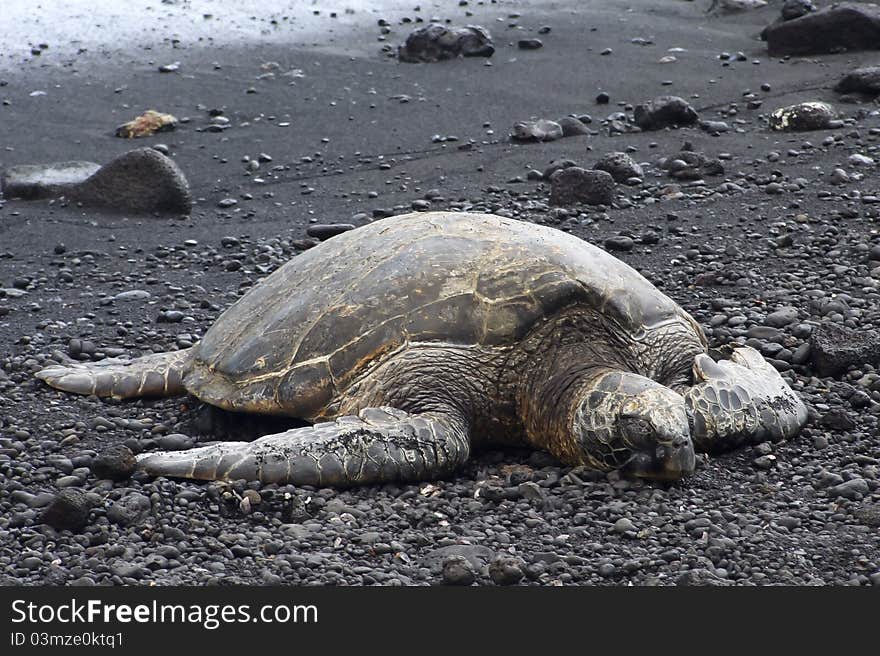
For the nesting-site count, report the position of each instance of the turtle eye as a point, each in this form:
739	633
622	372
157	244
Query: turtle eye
636	422
638	430
640	426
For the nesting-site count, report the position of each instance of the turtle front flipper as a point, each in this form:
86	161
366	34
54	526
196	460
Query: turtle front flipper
380	445
741	400
158	374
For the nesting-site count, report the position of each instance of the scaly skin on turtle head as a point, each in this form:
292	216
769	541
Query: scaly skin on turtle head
631	423
655	425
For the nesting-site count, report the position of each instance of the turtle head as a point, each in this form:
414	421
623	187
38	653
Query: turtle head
635	425
654	425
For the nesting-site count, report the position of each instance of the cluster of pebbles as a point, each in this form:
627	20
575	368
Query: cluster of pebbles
805	512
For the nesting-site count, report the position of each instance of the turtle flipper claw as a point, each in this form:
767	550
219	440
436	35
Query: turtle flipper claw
743	399
748	357
706	369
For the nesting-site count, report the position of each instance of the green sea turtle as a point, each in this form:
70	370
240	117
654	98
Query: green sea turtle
412	339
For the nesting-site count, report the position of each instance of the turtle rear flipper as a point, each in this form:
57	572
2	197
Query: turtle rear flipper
380	445
741	400
159	374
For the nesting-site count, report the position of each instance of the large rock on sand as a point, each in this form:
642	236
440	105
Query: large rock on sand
665	112
842	26
620	166
803	117
142	180
574	185
861	80
834	348
435	42
541	130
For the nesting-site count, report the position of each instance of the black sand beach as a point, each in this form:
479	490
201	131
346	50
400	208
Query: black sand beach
351	135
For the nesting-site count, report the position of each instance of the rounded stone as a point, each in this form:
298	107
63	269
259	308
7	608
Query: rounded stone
529	44
620	166
436	42
557	165
572	127
69	510
574	185
505	570
540	130
803	117
665	111
865	79
324	231
792	9
457	570
116	463
624	525
142	180
619	243
782	317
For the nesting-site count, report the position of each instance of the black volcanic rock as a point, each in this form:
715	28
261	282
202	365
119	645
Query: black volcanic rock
865	79
435	42
840	27
142	180
574	185
69	510
663	112
834	348
115	463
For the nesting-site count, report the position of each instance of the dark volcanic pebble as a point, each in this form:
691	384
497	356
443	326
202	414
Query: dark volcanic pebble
116	463
324	231
619	243
457	570
663	112
529	44
690	165
505	570
853	489
68	511
837	419
572	127
130	510
792	9
621	166
782	317
576	185
862	80
557	165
